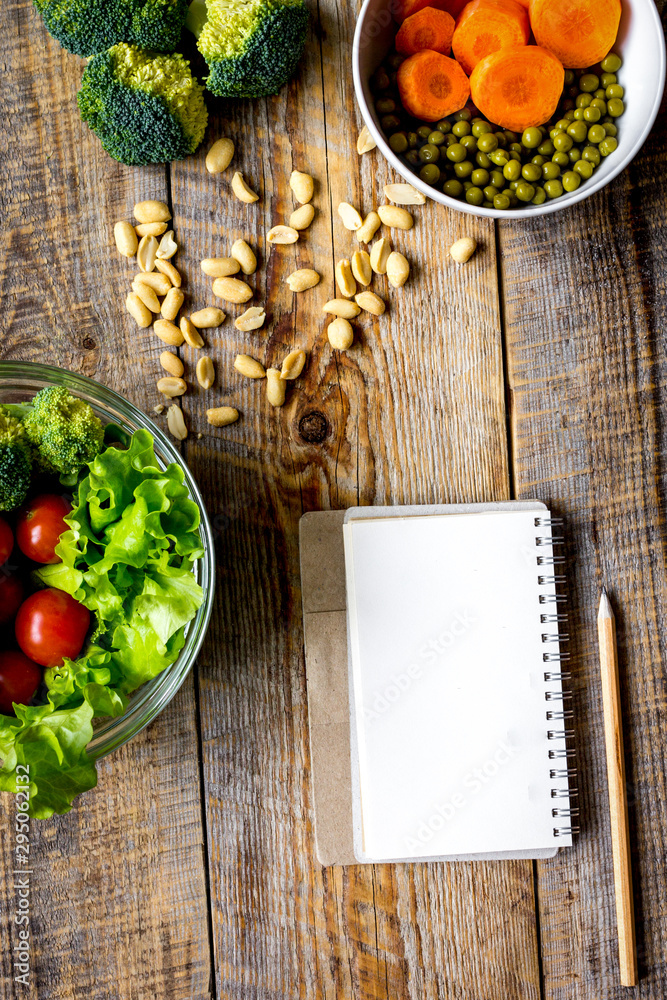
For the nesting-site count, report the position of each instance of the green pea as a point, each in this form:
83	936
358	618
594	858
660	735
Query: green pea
510	135
474	196
599	95
592	115
514	201
563	142
611	63
456	153
385	106
480	177
453	188
487	204
395	60
584	169
463	169
467	185
539	159
436	138
379	80
531	172
550	171
469	142
501	202
502	139
429	173
569	77
610	129
540	196
423	132
497	179
553	189
607	80
499	157
412	156
483	161
546	148
608	145
571	180
569	115
513	185
525	191
592	154
579	114
487	142
588	83
615	107
583	100
513	155
429	153
574	154
600	105
596	134
398	142
556	130
489	192
562	159
444	126
512	170
464	115
578	131
413	140
450	140
461	127
480	128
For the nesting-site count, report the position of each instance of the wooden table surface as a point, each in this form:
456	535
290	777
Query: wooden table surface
538	370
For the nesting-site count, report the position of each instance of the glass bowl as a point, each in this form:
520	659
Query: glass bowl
20	381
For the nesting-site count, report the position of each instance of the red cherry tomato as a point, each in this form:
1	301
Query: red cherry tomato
11	595
6	541
39	526
19	679
51	625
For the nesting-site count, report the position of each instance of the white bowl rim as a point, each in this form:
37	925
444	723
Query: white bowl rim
493	213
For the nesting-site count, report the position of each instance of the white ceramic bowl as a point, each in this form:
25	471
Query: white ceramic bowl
640	42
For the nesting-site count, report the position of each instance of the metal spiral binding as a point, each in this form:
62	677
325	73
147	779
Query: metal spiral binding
561	712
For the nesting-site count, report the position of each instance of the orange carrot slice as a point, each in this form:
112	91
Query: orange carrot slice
484	26
405	8
579	32
427	29
432	85
518	86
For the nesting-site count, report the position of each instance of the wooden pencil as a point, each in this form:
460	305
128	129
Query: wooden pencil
618	802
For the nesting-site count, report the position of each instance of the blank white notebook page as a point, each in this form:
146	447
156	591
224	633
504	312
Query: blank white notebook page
447	684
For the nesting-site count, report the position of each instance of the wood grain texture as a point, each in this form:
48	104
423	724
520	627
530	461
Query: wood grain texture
119	890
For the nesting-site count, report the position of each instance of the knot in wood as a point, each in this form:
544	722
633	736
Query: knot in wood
313	427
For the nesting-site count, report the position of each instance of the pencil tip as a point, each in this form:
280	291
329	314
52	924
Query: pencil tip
606	610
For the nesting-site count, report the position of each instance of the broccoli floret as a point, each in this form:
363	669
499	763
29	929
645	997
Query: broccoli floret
144	108
252	47
15	461
64	432
87	27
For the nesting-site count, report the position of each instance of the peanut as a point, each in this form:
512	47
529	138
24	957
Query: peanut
166	267
147	252
463	249
150	229
282	234
293	365
171	386
252	319
242	191
159	408
147	296
171	303
139	312
151	211
172	363
302	217
245	365
126	239
398	269
168	246
219	156
232	290
395	217
245	255
168	332
404	194
344	279
351	218
220	267
176	422
302	279
221	416
368	228
191	334
365	141
208	318
370	302
340	334
205	372
341	307
380	255
361	267
302	186
160	283
275	387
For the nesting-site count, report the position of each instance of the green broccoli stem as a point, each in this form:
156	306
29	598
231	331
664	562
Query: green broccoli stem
197	17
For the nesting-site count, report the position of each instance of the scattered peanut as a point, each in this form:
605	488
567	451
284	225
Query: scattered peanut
302	186
147	296
139	312
191	334
245	255
171	386
248	366
275	387
220	267
302	279
146	253
365	141
293	365
168	332
379	255
126	239
171	303
463	249
368	228
341	307
370	302
208	318
168	246
242	191
171	363
205	372
221	416
282	234
176	422
159	408
344	279
302	217
398	269
351	218
251	319
160	283
340	334
150	229
232	290
219	156
395	217
166	267
404	194
151	211
361	267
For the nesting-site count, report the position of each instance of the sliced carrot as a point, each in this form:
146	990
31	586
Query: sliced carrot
432	85
427	29
518	86
579	32
484	26
401	9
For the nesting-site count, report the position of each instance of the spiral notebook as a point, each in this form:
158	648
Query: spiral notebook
438	717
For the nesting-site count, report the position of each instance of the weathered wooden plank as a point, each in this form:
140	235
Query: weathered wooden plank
587	373
119	892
